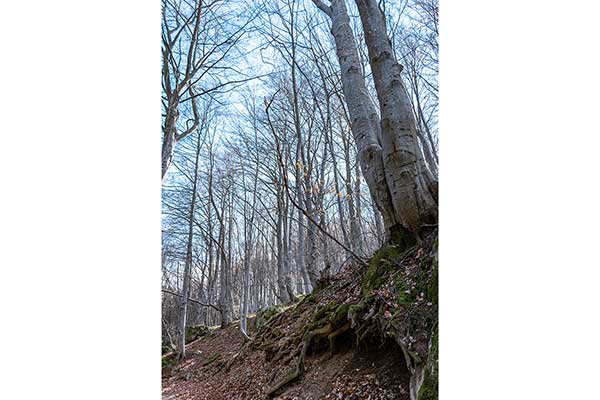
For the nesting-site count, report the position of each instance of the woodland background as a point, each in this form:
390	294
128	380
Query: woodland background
81	217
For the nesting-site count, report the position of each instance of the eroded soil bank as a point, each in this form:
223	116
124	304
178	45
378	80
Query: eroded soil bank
370	332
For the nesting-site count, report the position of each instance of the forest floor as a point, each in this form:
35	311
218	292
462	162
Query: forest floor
341	342
349	374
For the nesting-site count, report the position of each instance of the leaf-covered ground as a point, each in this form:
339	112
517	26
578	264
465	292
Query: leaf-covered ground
349	374
344	341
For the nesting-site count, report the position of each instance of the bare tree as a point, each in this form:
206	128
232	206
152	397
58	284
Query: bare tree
196	42
183	301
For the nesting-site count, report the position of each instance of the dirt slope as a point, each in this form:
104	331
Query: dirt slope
364	334
349	374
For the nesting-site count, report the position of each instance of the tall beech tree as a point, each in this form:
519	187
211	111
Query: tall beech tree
402	187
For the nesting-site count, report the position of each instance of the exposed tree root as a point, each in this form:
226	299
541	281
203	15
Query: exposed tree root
396	299
213	358
323	331
284	343
236	357
331	337
289	378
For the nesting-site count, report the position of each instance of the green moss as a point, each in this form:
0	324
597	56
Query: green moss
401	288
429	389
168	362
425	281
194	332
263	316
356	308
311	298
331	313
271	312
314	325
379	268
340	315
324	311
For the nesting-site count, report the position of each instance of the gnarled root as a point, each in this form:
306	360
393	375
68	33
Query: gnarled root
236	357
297	372
335	334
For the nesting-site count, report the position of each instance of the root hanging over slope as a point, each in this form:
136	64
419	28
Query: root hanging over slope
395	298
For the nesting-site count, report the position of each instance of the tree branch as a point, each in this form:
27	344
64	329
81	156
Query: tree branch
192	300
323	7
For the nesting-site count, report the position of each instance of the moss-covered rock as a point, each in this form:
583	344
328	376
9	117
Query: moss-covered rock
194	332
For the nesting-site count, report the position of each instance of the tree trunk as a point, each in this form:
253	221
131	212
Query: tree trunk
183	302
412	187
282	270
364	121
401	186
248	243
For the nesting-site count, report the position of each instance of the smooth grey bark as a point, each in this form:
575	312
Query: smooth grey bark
321	212
302	180
364	121
307	269
228	306
378	224
311	265
224	301
401	186
245	288
329	146
201	293
210	252
300	248
412	186
328	131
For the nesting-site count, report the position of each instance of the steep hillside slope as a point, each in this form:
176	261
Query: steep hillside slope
370	332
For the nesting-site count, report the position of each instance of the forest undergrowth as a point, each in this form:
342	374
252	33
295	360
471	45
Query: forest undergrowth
368	332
